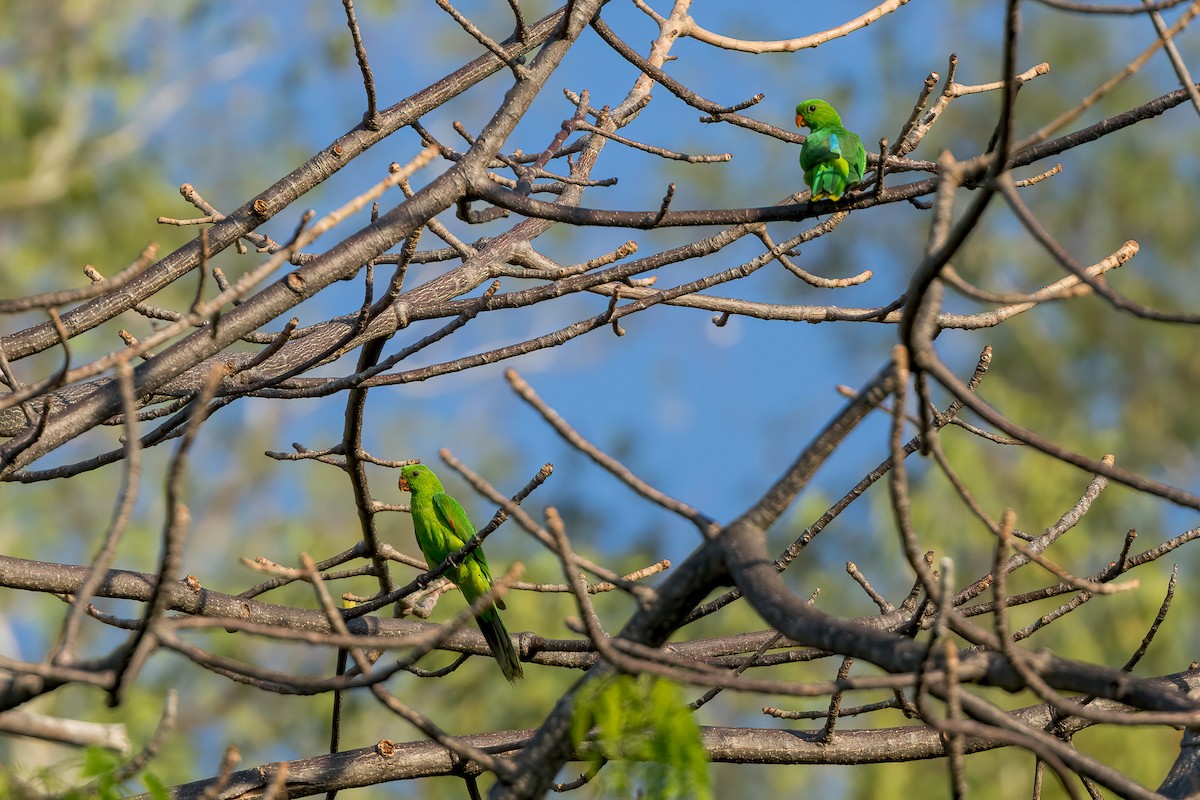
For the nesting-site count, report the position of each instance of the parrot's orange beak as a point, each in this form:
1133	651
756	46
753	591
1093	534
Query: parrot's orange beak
404	484
799	120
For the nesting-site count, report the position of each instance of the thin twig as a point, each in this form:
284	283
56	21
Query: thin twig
371	117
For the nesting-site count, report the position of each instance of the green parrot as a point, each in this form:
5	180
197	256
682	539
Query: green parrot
442	527
833	158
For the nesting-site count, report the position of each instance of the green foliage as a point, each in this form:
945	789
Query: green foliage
643	728
101	767
100	778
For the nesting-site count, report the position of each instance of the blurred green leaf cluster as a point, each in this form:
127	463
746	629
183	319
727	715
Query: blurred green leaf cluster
645	731
101	777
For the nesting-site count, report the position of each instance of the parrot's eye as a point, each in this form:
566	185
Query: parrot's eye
812	108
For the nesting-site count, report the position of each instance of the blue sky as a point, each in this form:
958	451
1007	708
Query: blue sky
685	394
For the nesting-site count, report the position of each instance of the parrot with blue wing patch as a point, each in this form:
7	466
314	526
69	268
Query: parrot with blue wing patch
833	158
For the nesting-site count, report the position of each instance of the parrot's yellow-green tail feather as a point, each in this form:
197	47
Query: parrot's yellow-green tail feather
493	630
829	179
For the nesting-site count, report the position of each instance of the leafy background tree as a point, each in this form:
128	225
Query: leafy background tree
115	104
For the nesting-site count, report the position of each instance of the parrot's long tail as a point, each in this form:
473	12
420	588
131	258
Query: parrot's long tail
498	639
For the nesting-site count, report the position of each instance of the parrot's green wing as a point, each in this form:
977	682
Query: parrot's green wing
474	578
454	517
833	159
855	155
459	531
818	149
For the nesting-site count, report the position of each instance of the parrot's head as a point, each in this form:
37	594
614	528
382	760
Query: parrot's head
417	477
816	114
